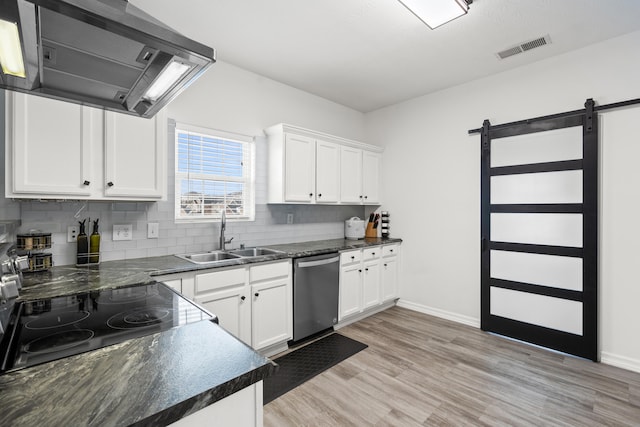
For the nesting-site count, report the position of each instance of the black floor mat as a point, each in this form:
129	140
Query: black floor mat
305	363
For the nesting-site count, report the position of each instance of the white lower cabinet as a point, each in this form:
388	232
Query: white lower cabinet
251	302
368	278
389	271
241	409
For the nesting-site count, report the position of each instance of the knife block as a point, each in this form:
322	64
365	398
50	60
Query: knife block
370	232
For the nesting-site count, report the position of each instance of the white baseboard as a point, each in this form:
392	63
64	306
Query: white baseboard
620	361
455	317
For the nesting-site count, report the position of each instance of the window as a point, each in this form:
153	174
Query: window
214	171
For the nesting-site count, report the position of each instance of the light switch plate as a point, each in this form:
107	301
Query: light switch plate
153	229
123	232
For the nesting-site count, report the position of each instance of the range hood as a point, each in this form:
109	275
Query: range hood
103	53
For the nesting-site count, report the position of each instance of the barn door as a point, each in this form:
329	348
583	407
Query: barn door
539	231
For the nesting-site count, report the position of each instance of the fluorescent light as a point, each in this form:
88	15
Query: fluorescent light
436	12
167	78
10	50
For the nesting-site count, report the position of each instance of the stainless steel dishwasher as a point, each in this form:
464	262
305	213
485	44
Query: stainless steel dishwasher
315	294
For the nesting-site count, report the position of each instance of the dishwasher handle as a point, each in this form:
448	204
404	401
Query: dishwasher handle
304	264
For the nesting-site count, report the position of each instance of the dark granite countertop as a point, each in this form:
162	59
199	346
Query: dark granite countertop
111	274
153	380
148	381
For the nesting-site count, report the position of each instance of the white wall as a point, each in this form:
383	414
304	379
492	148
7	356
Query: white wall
429	154
226	98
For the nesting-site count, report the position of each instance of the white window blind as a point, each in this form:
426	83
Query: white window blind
214	171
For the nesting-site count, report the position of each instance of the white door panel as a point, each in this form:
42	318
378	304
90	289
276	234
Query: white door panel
555	313
547	187
550	146
538	269
537	228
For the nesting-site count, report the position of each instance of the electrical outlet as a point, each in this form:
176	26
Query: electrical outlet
153	229
123	232
289	218
72	233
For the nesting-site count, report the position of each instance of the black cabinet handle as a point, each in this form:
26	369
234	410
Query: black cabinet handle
257	294
352	257
373	254
390	250
365	197
110	184
361	197
385	265
320	195
243	298
359	271
366	269
86	182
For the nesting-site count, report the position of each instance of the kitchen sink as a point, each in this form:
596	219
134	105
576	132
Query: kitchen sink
208	257
251	252
216	256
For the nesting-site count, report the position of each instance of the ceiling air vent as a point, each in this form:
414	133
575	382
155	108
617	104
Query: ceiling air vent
523	47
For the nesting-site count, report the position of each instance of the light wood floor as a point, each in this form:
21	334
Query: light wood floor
420	370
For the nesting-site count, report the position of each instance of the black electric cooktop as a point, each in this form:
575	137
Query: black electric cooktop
53	328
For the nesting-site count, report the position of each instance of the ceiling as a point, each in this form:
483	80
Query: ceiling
368	54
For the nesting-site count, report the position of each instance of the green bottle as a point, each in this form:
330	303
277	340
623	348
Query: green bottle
94	244
82	244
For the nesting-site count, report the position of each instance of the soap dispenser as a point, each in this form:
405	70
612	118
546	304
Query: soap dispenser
82	244
94	244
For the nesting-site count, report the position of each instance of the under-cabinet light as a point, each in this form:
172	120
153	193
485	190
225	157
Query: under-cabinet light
10	50
167	78
436	12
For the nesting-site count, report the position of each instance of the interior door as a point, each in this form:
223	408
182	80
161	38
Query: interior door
539	232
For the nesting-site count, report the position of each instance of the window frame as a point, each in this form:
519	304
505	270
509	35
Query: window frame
249	150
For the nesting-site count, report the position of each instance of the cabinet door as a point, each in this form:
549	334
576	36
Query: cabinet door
50	143
134	156
371	284
371	177
300	169
350	290
232	307
350	175
327	172
389	278
271	319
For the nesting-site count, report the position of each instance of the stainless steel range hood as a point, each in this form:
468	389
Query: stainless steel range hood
102	53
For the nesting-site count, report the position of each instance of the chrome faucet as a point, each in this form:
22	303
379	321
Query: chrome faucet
223	225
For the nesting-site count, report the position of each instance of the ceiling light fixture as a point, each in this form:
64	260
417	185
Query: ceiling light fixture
167	78
10	49
434	13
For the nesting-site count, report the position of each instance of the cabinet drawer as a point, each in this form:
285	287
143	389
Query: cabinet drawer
350	257
220	279
390	250
269	271
371	253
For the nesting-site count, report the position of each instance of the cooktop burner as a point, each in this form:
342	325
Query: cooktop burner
140	317
53	328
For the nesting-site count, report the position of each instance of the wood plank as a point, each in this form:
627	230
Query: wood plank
422	370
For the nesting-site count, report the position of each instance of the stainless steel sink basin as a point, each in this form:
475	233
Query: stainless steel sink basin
208	257
216	256
251	252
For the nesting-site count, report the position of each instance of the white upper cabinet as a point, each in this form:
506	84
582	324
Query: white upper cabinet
306	166
371	177
350	175
134	158
61	150
48	147
299	173
327	172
